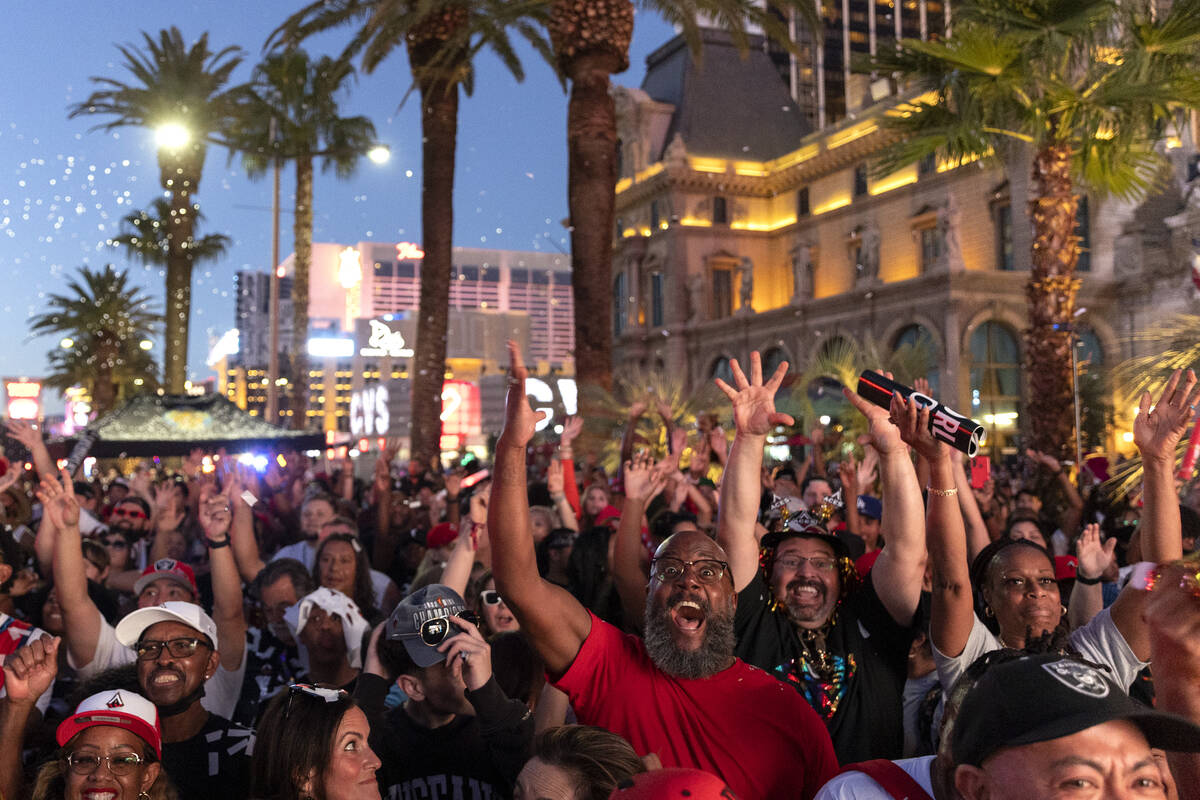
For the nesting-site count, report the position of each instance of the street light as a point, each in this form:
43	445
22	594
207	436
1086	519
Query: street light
171	136
66	343
379	154
146	344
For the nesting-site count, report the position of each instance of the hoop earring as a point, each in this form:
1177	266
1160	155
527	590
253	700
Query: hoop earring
143	795
1064	609
987	612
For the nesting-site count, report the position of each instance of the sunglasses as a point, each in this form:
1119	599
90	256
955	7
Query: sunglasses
435	631
320	692
490	597
116	544
132	513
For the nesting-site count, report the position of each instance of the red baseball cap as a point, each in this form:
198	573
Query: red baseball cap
440	535
664	784
606	515
167	568
118	708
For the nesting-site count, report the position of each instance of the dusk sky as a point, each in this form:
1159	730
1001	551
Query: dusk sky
65	188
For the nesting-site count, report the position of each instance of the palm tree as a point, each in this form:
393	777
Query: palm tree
146	236
185	88
1088	87
106	320
294	117
441	37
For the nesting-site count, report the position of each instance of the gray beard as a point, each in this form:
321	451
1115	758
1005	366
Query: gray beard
710	658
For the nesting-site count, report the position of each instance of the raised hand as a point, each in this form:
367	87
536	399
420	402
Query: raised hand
1092	556
58	501
637	408
1044	459
572	427
663	408
215	514
29	671
1157	431
520	421
468	655
848	473
554	478
890	430
642	480
753	401
26	433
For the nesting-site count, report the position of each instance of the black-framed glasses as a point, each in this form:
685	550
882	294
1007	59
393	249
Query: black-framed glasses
118	544
490	597
149	649
118	763
327	694
669	568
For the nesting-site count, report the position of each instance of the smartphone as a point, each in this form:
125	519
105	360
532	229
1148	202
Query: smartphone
981	470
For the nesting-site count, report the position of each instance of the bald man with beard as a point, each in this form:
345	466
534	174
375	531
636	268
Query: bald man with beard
681	694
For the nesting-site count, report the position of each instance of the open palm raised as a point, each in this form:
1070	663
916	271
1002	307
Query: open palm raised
753	401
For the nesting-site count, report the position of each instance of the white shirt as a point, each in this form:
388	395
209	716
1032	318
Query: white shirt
306	554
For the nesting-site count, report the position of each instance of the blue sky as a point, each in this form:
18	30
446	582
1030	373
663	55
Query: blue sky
65	188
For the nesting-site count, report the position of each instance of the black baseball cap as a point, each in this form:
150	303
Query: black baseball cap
1044	697
421	622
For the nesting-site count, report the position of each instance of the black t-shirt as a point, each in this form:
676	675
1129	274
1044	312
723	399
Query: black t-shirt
862	701
215	763
270	666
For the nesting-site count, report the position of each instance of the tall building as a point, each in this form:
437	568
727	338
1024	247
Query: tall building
253	309
742	228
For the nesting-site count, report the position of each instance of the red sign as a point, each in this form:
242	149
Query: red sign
460	409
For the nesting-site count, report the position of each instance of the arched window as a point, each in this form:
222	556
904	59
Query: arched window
1088	349
919	340
721	369
995	381
771	360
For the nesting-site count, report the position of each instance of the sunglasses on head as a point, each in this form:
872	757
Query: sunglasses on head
132	513
320	692
435	631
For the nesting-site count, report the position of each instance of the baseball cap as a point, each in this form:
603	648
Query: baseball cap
420	622
135	623
663	784
1065	568
118	708
167	568
870	506
440	535
1044	697
607	514
354	624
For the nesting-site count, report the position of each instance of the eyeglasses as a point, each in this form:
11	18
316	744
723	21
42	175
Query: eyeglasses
118	764
491	597
319	692
116	544
132	513
820	564
708	570
436	630
178	648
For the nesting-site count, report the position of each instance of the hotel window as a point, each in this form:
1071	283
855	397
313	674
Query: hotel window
655	216
1002	220
860	180
803	209
995	382
656	299
1083	229
720	211
620	317
927	165
722	292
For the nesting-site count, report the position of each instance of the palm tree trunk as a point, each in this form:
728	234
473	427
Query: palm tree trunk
179	290
104	389
439	131
591	201
302	240
1051	294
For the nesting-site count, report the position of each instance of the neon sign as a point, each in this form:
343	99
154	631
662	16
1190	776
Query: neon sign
407	251
385	342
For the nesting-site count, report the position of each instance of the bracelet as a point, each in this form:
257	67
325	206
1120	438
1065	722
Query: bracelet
941	492
558	498
217	545
1086	581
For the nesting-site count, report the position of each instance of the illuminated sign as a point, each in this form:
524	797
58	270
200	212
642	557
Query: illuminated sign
385	342
349	269
369	411
331	348
407	251
226	346
543	396
24	398
460	409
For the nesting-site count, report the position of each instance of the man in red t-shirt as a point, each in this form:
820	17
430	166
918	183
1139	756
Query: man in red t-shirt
681	694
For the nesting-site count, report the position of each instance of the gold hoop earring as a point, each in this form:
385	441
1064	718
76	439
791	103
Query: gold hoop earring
143	795
987	612
1064	609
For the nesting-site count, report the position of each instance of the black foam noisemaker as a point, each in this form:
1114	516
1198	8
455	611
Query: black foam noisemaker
961	433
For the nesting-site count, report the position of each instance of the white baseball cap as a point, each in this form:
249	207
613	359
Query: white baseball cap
354	625
118	708
130	629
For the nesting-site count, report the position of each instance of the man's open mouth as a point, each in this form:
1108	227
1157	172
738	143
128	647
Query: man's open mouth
688	615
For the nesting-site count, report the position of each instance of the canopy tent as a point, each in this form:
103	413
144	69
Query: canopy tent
174	425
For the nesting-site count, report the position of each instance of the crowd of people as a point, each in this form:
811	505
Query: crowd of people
701	624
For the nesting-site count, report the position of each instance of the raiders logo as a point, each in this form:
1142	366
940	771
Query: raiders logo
1078	677
115	701
164	564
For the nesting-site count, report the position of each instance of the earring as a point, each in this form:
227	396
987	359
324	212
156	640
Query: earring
143	796
1064	610
987	612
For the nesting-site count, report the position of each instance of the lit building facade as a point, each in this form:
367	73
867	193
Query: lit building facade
753	240
364	324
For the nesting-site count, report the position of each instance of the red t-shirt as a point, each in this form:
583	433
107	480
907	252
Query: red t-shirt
755	732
